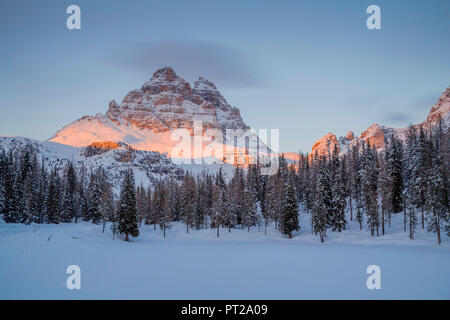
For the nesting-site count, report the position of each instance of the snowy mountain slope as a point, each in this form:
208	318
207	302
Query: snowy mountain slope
376	133
147	117
148	167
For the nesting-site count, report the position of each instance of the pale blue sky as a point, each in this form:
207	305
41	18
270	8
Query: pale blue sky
305	67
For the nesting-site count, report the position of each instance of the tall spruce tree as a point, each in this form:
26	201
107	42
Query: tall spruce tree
322	202
127	214
369	179
95	198
290	210
395	172
70	202
53	198
436	199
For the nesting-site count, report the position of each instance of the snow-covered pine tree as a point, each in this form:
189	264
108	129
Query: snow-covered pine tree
33	205
355	197
322	201
253	181
249	209
338	202
3	172
7	188
40	200
436	198
69	208
141	196
155	209
107	208
220	211
162	207
209	198
384	192
395	172
290	221
53	214
27	167
95	198
235	195
200	205
187	205
127	214
263	201
420	179
308	182
173	200
149	207
369	182
412	217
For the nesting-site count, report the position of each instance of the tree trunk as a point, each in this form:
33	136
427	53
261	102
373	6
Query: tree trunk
382	221
218	230
404	214
438	227
126	237
423	219
351	208
411	235
389	219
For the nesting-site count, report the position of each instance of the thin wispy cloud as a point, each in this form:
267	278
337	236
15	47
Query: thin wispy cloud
397	118
227	66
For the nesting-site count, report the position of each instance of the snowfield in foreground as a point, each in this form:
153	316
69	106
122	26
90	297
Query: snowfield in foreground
238	265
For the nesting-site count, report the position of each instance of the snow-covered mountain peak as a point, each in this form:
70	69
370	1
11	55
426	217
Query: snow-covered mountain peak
204	84
147	117
441	109
375	134
166	80
165	74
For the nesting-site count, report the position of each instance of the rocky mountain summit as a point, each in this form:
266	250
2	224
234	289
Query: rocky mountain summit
146	117
439	115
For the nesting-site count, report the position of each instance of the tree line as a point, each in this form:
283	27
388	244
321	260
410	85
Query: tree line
361	186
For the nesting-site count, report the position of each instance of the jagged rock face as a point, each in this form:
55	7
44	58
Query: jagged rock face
147	117
441	109
325	145
167	102
350	135
375	135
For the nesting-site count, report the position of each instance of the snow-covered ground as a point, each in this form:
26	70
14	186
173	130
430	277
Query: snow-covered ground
238	265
